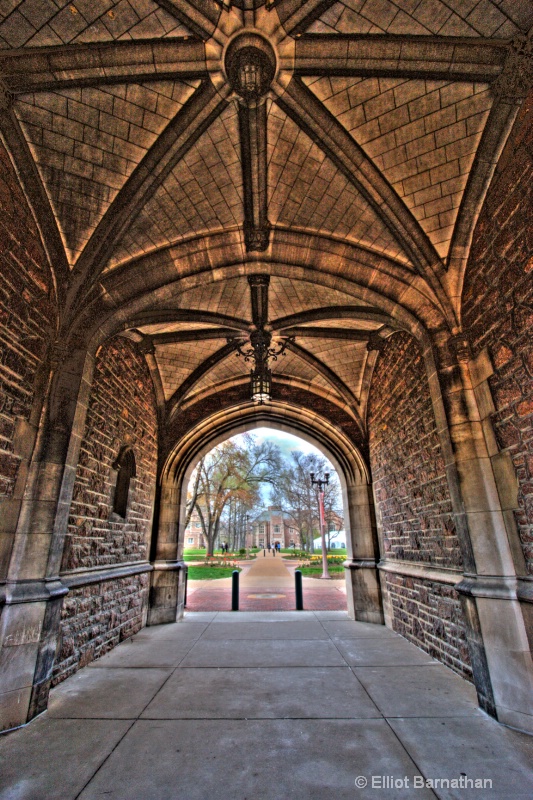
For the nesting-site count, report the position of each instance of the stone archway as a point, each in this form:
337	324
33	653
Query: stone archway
363	591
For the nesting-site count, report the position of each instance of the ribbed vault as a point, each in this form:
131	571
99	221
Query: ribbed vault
351	176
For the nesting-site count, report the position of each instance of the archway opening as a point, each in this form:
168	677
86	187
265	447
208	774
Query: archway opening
264	503
275	514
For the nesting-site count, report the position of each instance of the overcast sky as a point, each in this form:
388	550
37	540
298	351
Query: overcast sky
285	441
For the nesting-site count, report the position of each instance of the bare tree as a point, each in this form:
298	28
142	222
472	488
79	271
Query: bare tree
229	478
192	493
295	495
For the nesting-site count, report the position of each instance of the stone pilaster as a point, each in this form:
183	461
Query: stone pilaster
499	647
34	592
167	584
363	587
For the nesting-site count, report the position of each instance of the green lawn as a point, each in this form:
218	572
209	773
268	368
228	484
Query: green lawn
198	554
311	572
204	573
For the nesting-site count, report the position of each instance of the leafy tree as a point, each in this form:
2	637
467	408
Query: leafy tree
294	493
227	483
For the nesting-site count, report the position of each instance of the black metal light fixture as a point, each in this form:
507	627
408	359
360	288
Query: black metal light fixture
261	353
261	385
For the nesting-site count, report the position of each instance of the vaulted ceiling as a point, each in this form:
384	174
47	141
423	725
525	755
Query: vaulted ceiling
353	177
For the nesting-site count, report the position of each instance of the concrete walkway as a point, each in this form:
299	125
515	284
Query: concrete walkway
268	568
264	706
267	584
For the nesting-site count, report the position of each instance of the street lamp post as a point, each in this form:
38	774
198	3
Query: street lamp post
321	483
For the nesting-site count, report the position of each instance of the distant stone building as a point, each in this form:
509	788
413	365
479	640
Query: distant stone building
193	532
334	523
272	526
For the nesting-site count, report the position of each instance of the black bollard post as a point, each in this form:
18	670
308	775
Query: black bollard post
235	590
186	582
299	590
264	553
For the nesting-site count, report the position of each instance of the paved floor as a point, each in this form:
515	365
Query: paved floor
263	706
267	584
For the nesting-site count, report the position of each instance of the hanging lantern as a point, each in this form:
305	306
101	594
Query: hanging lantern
261	384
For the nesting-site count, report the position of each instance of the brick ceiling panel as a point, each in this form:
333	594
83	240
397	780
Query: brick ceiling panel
346	359
293	366
202	194
422	135
308	191
177	361
41	23
498	18
292	297
87	142
231	297
231	368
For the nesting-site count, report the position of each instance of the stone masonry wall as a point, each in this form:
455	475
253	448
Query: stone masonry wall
498	308
408	474
429	614
27	316
413	503
96	618
121	412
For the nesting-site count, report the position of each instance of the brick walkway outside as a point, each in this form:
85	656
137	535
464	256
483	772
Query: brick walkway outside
267	584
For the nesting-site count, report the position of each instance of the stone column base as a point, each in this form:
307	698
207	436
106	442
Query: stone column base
363	591
29	626
167	592
509	664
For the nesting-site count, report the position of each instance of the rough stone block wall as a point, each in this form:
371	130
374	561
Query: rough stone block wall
27	316
96	618
413	502
429	614
410	485
121	412
498	308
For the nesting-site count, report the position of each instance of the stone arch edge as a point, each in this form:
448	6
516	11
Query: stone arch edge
363	589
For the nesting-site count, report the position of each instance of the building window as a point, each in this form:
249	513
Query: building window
190	540
125	465
276	528
262	529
